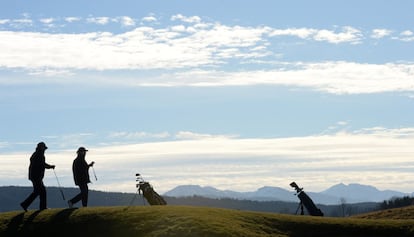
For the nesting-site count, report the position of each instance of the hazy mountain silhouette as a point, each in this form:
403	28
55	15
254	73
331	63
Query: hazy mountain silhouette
361	193
352	193
11	196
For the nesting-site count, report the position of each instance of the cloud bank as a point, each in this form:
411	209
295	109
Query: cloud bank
188	42
375	156
193	52
329	77
148	48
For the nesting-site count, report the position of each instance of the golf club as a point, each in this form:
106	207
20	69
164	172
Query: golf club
94	174
60	188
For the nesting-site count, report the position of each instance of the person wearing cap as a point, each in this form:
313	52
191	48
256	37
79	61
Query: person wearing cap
81	177
36	173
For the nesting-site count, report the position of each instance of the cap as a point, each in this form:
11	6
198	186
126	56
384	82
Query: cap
81	149
41	145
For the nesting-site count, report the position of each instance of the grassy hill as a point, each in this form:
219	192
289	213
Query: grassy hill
189	221
403	213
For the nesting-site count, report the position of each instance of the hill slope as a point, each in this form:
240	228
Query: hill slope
403	213
188	221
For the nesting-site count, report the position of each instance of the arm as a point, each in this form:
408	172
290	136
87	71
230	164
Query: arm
47	166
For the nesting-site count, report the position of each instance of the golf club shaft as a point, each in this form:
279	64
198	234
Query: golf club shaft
60	188
94	174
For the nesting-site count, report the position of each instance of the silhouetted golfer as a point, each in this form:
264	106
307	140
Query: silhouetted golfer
36	173
81	176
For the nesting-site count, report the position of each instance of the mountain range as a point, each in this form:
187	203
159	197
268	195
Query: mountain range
337	194
334	201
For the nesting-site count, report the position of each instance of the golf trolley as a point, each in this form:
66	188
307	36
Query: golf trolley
148	192
306	201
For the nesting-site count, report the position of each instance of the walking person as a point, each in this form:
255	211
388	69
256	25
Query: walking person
36	173
81	176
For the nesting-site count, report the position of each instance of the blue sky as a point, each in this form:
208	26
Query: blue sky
210	93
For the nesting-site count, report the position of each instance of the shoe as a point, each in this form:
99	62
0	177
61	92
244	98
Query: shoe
70	204
24	208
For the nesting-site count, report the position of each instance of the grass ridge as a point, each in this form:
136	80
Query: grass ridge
190	221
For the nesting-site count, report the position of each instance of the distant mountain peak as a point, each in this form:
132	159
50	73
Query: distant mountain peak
352	187
351	193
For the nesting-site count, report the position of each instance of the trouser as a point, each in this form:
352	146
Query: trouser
38	190
83	195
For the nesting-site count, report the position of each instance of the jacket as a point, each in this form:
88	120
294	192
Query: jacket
37	166
80	171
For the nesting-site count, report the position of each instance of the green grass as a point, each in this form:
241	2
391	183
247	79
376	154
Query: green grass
403	213
189	221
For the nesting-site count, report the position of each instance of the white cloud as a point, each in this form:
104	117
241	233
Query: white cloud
342	123
330	77
4	144
181	135
149	19
407	33
127	21
376	156
385	132
47	20
50	72
19	23
98	20
187	135
149	48
406	36
72	19
138	135
303	33
179	28
348	35
23	21
407	39
95	51
71	141
4	21
380	33
198	45
144	47
191	19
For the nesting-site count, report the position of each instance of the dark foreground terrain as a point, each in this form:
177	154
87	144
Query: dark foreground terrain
193	221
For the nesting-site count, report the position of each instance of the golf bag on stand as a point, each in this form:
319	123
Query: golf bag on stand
306	201
152	197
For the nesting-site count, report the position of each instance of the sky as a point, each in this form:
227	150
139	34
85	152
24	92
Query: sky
231	94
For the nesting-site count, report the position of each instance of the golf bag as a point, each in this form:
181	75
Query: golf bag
306	201
152	197
309	204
